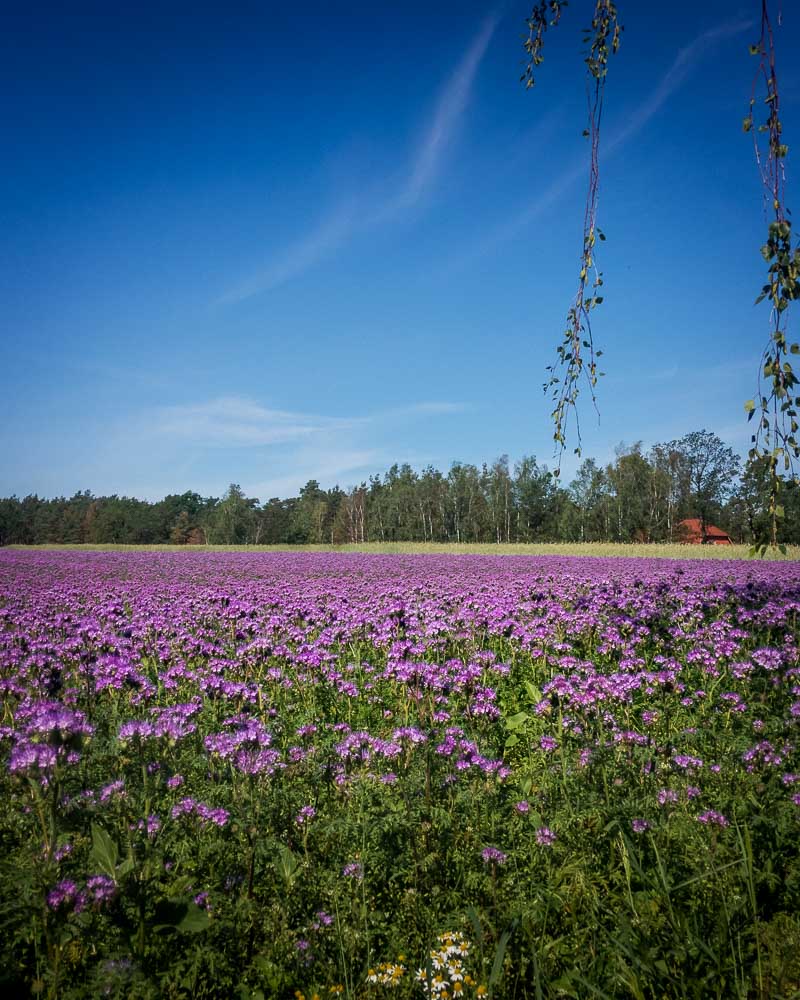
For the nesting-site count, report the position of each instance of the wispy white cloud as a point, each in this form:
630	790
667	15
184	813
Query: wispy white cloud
344	467
449	110
207	444
320	242
239	437
357	214
233	421
686	61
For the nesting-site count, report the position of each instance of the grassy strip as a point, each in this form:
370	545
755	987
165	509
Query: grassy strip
653	550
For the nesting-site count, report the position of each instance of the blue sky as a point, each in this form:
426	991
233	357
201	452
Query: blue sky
262	243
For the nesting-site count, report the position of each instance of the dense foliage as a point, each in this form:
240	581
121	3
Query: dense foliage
640	497
247	775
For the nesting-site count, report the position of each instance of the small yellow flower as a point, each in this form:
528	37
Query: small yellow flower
481	991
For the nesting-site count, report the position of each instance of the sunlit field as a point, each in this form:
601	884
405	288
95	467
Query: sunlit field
259	774
652	550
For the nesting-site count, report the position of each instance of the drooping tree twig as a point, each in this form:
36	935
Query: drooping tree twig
778	399
576	354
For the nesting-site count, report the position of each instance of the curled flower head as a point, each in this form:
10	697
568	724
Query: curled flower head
712	818
306	814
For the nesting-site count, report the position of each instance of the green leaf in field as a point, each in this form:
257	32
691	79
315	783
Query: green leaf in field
285	864
499	955
477	926
104	852
125	868
516	721
181	915
195	920
534	693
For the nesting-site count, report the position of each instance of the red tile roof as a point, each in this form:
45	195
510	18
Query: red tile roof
691	531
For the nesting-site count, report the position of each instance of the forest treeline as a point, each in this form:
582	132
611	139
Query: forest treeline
640	497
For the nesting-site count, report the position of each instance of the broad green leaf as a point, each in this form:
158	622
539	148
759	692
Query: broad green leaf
515	721
285	863
104	852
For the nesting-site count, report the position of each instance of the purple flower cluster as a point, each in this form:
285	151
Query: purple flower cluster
129	680
207	814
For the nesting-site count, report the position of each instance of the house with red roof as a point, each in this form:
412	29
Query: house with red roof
691	532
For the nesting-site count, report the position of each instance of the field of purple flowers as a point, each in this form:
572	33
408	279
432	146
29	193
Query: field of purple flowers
307	774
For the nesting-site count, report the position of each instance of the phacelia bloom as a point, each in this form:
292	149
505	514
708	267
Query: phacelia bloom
493	856
548	743
712	818
201	900
639	825
61	852
321	920
64	893
116	788
545	836
306	814
522	807
175	781
353	870
219	817
101	888
666	795
687	762
150	826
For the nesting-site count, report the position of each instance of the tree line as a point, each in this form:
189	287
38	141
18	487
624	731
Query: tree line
642	496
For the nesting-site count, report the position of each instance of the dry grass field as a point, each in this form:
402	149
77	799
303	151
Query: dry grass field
601	549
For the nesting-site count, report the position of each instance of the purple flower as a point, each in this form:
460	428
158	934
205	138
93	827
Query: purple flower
712	818
101	888
109	791
545	836
64	893
522	807
353	870
207	814
548	743
493	856
323	919
639	825
306	814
